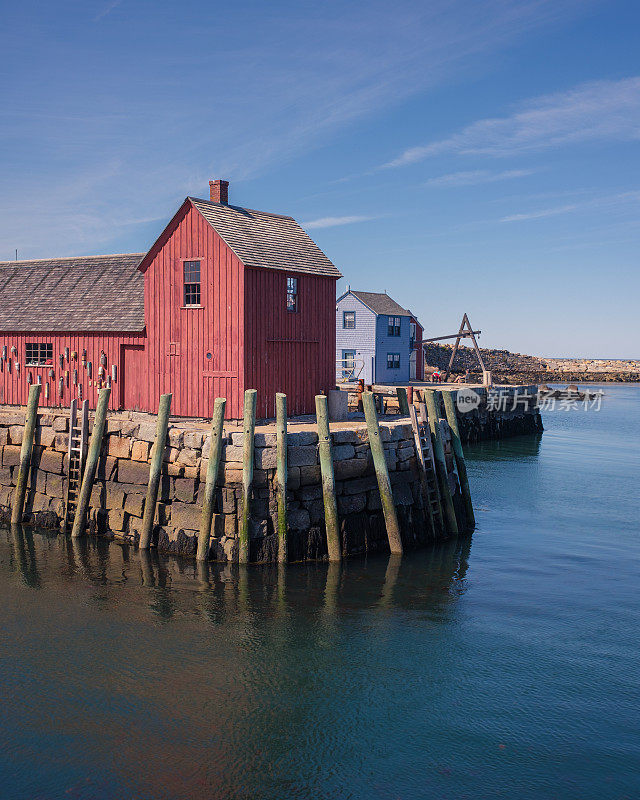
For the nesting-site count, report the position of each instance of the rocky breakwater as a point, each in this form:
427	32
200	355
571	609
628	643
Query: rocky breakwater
118	496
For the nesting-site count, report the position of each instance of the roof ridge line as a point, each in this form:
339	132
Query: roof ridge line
70	258
240	208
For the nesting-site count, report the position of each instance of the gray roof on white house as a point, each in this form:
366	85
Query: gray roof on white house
266	240
381	303
86	293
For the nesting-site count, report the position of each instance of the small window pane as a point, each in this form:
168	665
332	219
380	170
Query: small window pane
191	283
39	354
292	294
192	272
393	360
349	319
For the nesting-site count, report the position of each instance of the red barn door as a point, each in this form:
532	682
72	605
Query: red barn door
133	375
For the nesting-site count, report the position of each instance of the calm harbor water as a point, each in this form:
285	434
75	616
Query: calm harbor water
503	666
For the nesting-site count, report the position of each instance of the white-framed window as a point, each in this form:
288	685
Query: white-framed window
39	354
348	363
349	319
393	360
292	294
191	283
393	326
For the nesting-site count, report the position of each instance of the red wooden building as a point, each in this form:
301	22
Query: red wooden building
226	299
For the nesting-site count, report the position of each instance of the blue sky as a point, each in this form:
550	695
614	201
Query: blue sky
478	156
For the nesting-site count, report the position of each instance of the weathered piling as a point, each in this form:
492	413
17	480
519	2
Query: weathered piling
155	471
403	401
25	454
93	456
458	453
382	474
328	480
431	398
249	427
281	474
215	452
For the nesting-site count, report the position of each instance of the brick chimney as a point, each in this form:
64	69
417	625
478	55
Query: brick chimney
219	191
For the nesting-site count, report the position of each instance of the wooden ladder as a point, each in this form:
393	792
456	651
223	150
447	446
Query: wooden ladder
427	466
77	453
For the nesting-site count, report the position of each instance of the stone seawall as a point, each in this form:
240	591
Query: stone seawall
118	496
502	411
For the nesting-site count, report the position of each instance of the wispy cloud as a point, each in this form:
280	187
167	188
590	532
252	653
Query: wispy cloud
600	111
107	10
477	176
612	201
332	222
287	84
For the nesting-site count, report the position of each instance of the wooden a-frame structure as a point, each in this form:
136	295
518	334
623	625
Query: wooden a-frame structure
465	332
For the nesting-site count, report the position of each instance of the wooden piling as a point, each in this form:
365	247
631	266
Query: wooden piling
155	471
281	474
328	480
249	427
91	465
403	401
382	474
458	453
26	449
215	452
431	399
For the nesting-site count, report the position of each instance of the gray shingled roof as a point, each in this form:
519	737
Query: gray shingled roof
381	303
89	293
266	240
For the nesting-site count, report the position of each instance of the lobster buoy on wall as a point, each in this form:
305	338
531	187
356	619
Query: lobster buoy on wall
66	354
114	372
103	359
89	369
61	387
80	392
46	391
29	378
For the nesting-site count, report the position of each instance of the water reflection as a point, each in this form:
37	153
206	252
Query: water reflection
417	580
505	449
24	555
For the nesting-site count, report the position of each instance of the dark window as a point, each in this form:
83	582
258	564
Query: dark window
348	319
393	326
292	294
412	334
393	360
192	283
39	355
